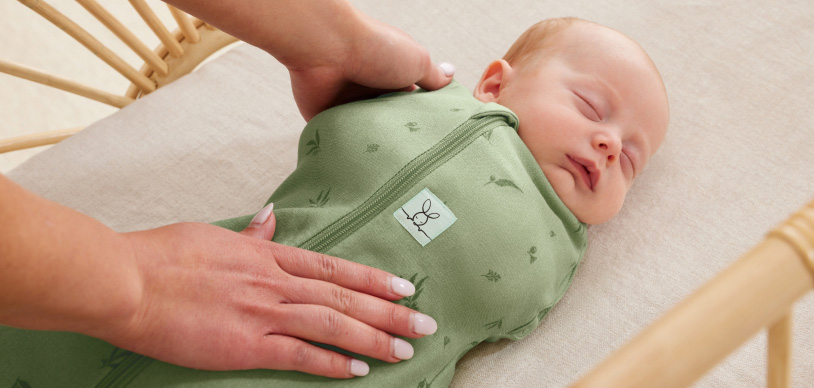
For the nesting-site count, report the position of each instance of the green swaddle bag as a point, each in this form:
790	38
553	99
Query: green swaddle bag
434	187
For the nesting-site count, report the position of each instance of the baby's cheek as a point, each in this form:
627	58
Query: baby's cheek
563	183
609	204
561	180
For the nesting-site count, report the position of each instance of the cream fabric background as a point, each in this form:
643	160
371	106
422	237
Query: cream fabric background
737	160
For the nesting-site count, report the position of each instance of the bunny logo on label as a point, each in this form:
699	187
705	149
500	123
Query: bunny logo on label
425	216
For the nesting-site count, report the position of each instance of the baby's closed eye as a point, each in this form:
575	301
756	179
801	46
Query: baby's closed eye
587	108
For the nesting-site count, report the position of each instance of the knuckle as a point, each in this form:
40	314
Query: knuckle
370	280
424	57
338	365
301	356
343	299
382	344
394	317
328	268
332	323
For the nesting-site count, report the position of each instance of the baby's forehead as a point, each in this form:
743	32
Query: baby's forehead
588	38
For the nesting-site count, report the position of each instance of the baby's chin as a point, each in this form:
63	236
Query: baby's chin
593	216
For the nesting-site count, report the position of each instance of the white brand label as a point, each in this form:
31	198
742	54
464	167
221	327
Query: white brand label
425	216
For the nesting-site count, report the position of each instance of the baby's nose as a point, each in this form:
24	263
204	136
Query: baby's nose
608	145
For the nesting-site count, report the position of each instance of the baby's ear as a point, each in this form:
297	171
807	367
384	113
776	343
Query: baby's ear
492	80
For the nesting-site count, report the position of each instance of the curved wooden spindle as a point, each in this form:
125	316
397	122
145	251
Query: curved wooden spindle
67	85
185	24
756	292
158	28
86	39
179	53
126	36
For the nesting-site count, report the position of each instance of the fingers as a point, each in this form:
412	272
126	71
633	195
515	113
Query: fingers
287	353
390	59
347	274
410	59
380	314
436	77
328	326
262	225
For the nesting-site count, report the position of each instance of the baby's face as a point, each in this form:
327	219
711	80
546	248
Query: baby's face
592	111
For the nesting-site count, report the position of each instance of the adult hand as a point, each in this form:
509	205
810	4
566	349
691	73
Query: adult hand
375	58
334	53
219	300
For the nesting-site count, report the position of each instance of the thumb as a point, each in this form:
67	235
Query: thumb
263	224
436	77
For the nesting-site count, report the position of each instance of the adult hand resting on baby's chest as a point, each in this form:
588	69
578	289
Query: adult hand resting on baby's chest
215	299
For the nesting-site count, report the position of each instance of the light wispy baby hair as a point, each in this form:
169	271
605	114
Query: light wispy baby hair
537	39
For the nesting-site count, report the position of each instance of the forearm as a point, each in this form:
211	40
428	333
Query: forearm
60	269
293	31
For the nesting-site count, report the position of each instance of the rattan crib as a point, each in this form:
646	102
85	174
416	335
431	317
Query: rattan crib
179	53
758	291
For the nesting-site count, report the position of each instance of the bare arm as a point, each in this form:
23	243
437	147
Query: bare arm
60	269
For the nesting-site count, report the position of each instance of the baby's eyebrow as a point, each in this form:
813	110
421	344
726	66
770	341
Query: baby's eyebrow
608	94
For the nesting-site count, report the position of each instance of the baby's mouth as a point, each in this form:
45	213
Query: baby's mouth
587	171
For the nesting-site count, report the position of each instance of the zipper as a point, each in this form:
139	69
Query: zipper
394	188
123	374
406	178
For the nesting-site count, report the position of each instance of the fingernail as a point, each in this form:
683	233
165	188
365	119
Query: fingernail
401	286
264	214
402	349
423	324
447	68
359	368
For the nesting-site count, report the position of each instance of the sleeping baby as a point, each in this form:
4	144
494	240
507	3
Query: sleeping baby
480	199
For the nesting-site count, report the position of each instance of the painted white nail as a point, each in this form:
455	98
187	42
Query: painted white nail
359	368
423	324
401	286
402	349
264	214
447	68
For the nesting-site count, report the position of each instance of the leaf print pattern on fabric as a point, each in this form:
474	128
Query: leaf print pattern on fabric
426	384
531	253
552	234
412	300
413	126
492	276
321	199
488	134
372	147
20	384
496	324
115	358
502	183
314	145
446	341
522	331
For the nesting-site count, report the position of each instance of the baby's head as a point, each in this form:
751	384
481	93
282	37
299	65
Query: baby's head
592	109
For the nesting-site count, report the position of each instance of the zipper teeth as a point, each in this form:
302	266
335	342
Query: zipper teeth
125	372
414	171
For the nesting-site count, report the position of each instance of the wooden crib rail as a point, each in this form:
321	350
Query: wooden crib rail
755	292
179	53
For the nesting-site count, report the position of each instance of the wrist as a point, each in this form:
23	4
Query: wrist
304	35
123	306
